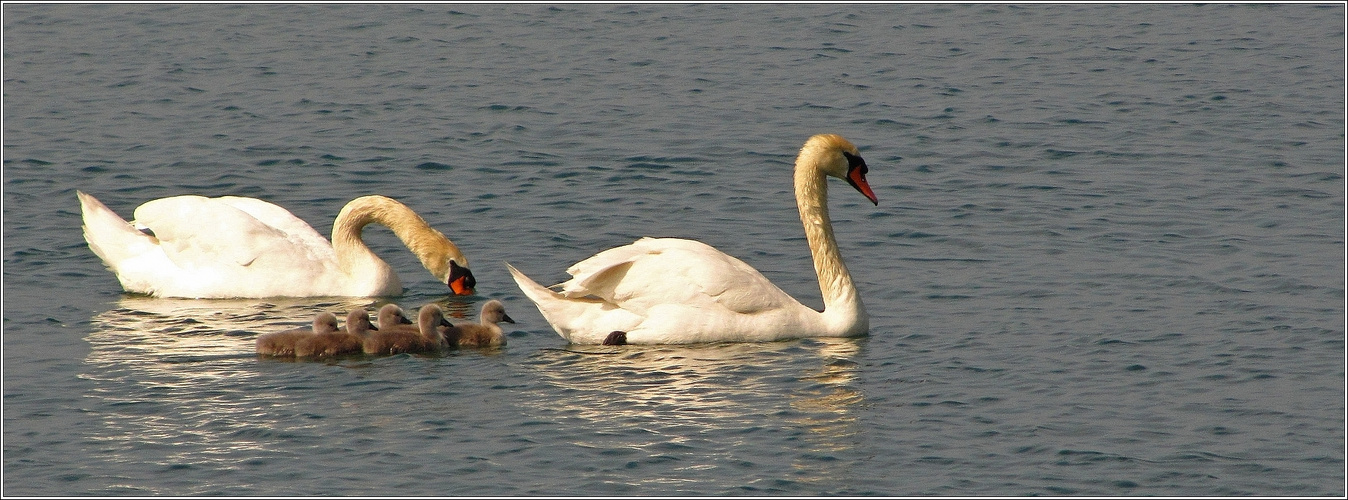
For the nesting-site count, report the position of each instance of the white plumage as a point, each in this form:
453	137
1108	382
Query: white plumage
198	247
669	290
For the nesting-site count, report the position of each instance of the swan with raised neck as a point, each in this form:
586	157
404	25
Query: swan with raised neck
671	290
236	247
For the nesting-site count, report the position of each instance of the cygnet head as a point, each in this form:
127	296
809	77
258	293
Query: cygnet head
838	157
325	322
358	322
494	312
430	317
391	315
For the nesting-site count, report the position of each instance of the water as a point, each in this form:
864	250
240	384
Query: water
1108	257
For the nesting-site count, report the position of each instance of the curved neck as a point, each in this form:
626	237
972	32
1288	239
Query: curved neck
430	246
835	282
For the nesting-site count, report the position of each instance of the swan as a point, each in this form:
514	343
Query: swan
235	247
487	333
677	291
283	343
424	337
334	342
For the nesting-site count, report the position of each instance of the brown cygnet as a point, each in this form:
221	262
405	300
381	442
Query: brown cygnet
424	337
349	340
390	316
283	343
484	334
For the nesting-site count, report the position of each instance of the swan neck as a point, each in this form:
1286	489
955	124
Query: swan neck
835	282
430	246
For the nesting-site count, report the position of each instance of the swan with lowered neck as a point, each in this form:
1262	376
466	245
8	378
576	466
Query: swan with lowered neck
235	247
677	291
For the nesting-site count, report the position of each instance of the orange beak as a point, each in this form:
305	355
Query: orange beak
461	280
857	178
460	287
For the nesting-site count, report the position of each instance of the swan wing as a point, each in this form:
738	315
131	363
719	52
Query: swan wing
220	248
666	290
660	271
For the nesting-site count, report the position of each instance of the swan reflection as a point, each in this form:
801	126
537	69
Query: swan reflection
141	331
663	399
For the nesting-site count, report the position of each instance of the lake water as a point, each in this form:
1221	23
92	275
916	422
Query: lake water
1108	257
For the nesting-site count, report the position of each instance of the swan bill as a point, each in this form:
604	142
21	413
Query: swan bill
461	279
856	176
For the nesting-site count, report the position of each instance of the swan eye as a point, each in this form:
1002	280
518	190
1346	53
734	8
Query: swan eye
854	162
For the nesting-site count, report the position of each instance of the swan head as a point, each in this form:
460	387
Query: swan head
838	157
460	279
325	322
390	315
494	312
358	322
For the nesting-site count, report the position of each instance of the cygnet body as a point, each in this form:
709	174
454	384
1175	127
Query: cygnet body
397	338
349	340
283	343
484	334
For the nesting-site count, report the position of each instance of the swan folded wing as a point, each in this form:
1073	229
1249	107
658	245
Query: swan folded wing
654	272
196	232
276	217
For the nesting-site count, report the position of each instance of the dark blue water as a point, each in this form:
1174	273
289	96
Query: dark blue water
1108	257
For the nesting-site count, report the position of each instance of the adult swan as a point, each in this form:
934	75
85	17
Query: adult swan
226	247
676	291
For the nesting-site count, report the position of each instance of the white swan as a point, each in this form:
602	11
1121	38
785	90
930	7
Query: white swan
674	291
228	247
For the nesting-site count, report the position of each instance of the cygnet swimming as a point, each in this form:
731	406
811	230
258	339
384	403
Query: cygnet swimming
484	334
283	343
424	337
338	342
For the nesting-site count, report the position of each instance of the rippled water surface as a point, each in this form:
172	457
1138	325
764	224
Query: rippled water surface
1108	257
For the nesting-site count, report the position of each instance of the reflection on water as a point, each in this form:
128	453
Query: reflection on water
178	383
829	402
664	400
145	329
180	330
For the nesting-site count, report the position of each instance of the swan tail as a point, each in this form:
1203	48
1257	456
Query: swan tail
564	314
112	238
